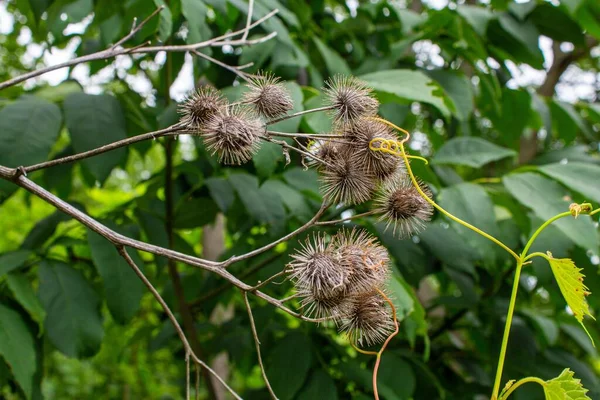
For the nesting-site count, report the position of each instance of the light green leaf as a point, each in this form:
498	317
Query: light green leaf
73	320
194	12
570	282
263	205
404	84
565	387
93	121
291	198
165	25
17	348
477	17
316	122
458	88
24	294
547	198
580	177
29	127
59	92
470	151
123	288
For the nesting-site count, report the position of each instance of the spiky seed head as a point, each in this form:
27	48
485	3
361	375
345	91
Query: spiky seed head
366	261
326	150
401	205
201	106
331	309
379	163
367	319
344	181
350	98
268	95
233	135
319	277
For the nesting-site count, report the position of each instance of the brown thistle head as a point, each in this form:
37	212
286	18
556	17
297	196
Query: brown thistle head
345	181
268	95
200	106
367	319
350	98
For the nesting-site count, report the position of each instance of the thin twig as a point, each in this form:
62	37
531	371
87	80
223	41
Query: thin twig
171	316
257	344
305	135
337	221
299	113
136	28
269	280
172	130
228	67
248	19
285	145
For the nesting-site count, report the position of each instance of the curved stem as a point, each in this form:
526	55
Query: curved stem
366	352
448	214
541	228
536	254
509	316
387	341
521	382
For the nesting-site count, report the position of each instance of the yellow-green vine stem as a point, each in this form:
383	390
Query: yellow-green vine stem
507	326
446	213
514	387
541	228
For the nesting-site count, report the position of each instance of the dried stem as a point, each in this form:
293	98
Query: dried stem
299	113
182	337
257	344
337	221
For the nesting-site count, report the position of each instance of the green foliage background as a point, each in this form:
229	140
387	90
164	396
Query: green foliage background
76	323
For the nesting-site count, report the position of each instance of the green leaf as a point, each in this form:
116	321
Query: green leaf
470	151
29	127
25	295
547	198
524	33
123	288
13	260
397	376
195	213
471	203
221	191
458	88
18	348
319	386
555	22
58	93
567	122
194	12
404	84
93	121
266	159
289	364
292	199
477	17
570	282
305	181
333	61
316	122
565	387
73	321
165	25
580	177
263	205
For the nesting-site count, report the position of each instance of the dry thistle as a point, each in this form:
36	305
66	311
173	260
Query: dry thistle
367	319
345	181
366	262
201	106
319	277
400	204
381	164
268	95
325	150
350	98
233	134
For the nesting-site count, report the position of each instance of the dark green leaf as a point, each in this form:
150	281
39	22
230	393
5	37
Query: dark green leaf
13	260
471	151
195	213
73	321
266	159
221	191
24	294
333	61
477	17
458	88
123	288
293	200
165	25
397	375
289	364
17	348
29	129
319	386
93	121
580	177
264	206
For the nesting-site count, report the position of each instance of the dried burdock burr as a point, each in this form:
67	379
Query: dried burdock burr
350	98
324	150
201	106
379	163
233	134
345	181
367	319
319	277
400	205
268	95
366	262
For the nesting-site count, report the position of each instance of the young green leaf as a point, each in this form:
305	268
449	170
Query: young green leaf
565	387
570	282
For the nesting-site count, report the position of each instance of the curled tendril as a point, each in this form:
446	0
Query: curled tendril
577	209
393	147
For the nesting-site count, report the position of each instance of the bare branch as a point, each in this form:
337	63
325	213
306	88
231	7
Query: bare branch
257	344
136	28
115	51
248	19
228	67
337	221
186	344
172	130
299	113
